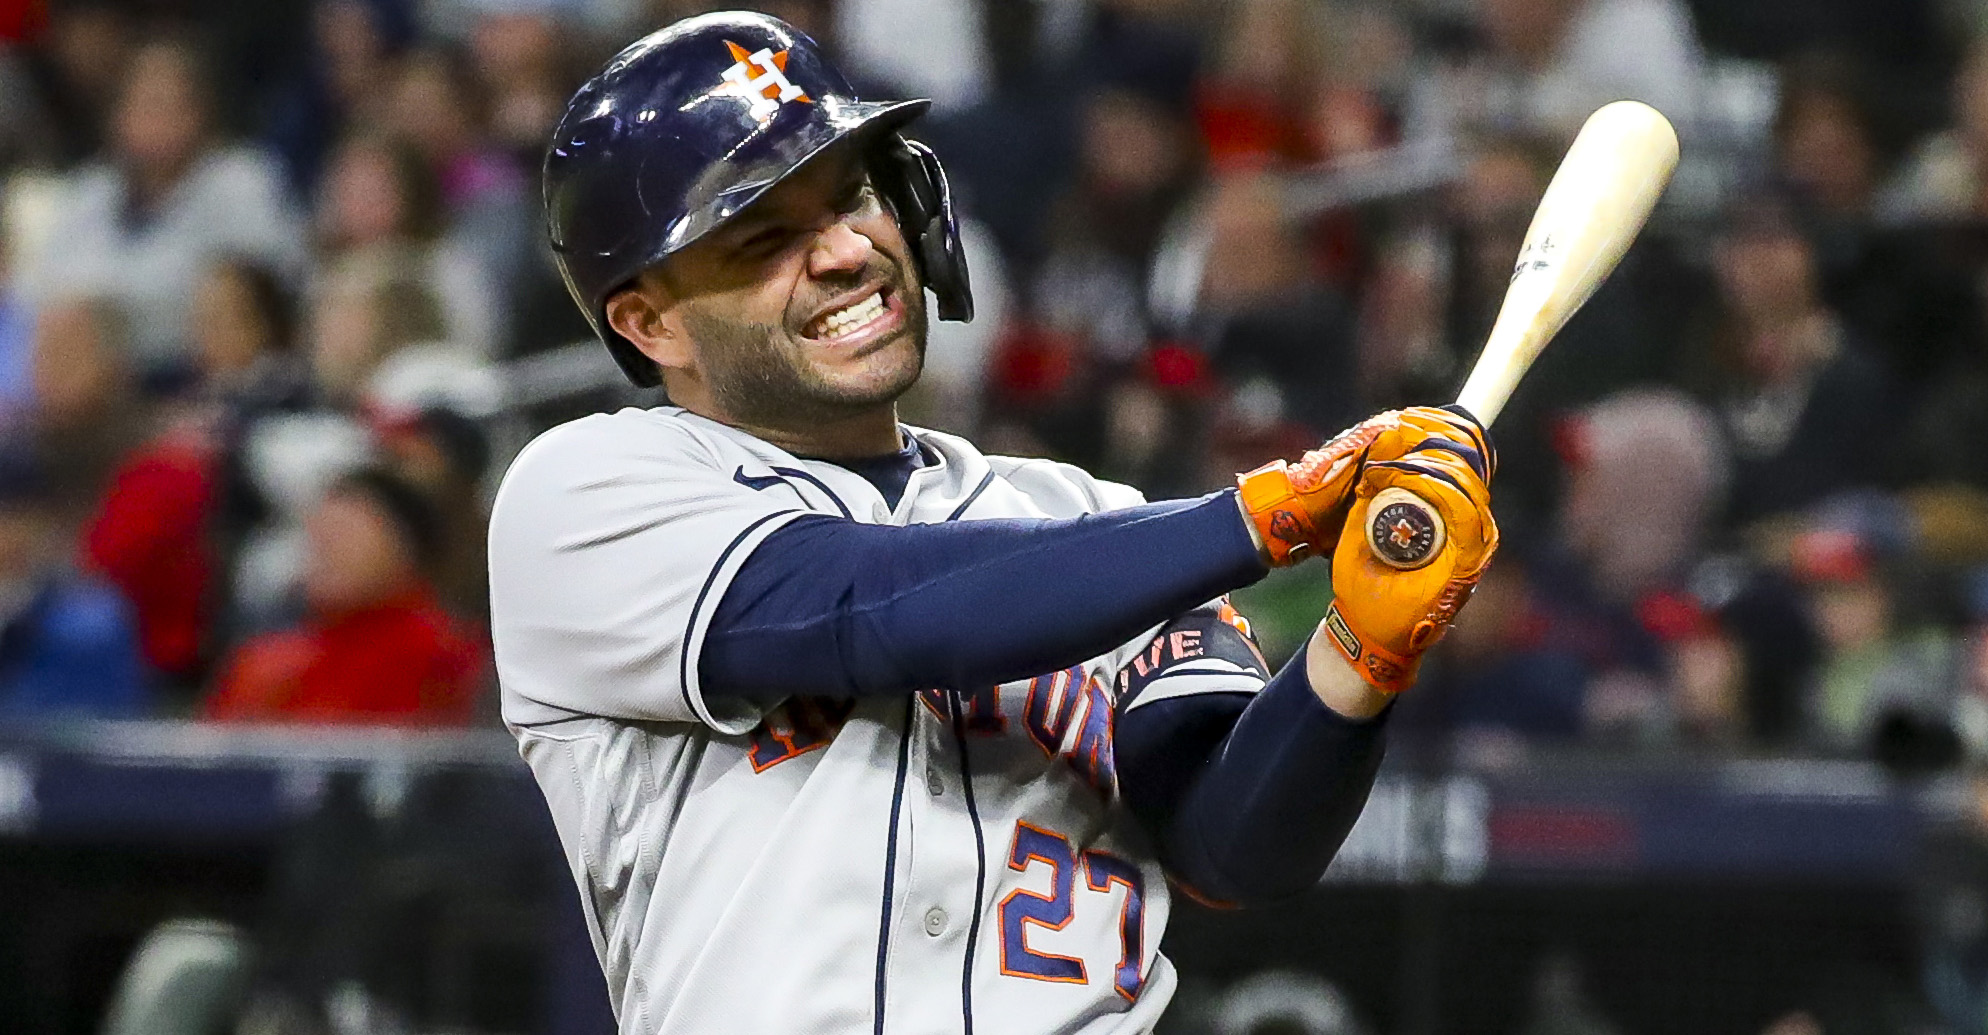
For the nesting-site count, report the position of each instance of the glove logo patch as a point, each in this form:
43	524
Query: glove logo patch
1402	534
1385	673
1335	623
1286	527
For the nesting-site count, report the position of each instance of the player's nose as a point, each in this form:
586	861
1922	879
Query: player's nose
839	249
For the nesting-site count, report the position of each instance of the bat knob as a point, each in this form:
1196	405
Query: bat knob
1404	532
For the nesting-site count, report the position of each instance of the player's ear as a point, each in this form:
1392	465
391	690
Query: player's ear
639	314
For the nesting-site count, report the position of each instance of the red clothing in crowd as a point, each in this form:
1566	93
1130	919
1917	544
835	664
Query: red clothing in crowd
22	21
405	662
150	539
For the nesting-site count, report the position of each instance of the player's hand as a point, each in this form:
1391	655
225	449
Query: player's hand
1298	509
1382	618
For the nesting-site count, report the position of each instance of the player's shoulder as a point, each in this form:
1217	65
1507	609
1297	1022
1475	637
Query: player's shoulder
628	445
1049	482
611	438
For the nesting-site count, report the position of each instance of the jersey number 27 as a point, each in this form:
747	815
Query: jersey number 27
1023	908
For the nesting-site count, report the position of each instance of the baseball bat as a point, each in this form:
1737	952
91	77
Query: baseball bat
1595	205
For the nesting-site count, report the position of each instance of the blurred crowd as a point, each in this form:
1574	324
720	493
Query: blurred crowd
275	307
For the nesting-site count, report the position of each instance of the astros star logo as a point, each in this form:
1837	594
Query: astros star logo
761	79
1403	533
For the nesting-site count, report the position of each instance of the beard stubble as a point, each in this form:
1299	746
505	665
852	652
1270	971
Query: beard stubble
760	374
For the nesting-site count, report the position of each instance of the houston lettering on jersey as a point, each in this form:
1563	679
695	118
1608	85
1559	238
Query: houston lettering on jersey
801	725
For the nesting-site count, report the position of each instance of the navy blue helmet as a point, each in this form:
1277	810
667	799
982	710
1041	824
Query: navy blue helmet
689	125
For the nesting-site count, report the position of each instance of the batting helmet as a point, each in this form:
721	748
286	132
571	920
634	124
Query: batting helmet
689	125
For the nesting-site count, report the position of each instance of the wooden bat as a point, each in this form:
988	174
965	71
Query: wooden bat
1594	207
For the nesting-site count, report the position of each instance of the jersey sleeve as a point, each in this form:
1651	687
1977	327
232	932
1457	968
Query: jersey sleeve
611	541
1209	650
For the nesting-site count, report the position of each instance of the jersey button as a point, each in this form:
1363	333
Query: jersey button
934	782
935	921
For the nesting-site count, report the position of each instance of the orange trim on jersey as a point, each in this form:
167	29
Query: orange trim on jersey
1197	897
1083	974
1124	945
792	753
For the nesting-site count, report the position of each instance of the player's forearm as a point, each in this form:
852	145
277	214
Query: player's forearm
1261	818
833	607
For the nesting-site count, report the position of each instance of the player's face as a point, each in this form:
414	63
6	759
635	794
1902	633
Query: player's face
806	309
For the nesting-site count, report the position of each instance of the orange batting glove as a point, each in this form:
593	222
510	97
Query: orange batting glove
1298	509
1382	618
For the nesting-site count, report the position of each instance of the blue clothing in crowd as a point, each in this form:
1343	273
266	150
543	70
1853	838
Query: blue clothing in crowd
73	651
16	353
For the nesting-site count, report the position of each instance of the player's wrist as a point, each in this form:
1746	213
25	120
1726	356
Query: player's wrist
1337	684
1255	533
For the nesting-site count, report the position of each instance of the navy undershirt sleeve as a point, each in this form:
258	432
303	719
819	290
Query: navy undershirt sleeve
837	608
1248	796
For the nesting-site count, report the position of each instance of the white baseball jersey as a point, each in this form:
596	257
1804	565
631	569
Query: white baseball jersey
924	864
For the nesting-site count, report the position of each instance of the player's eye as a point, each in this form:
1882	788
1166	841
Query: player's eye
766	242
856	198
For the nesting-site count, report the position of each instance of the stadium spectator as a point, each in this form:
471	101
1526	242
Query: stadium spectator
1829	140
67	643
520	56
377	646
1091	326
64	88
1596	631
1878	662
951	62
149	537
1645	477
364	313
1946	177
446	455
1502	678
339	85
436	105
168	195
1273	92
245	336
382	204
172	519
1806	409
1280	339
1015	146
1403	336
254	382
278	449
1544	65
86	411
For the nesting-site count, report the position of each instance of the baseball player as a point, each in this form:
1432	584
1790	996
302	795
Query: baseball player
845	726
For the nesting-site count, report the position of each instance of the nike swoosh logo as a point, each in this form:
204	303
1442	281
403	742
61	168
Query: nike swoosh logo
760	484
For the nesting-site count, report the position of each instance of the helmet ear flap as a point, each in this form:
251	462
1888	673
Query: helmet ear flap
909	176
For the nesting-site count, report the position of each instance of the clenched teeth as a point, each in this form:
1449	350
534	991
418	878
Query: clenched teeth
851	318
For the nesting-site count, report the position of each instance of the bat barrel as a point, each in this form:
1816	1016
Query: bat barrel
1597	203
